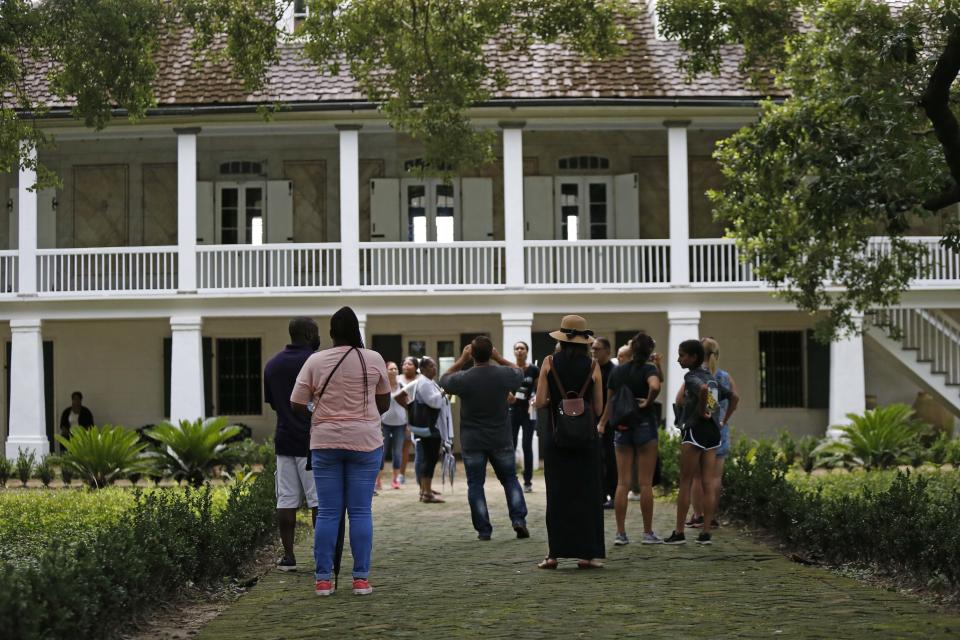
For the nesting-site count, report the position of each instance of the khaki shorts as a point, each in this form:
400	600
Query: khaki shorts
294	483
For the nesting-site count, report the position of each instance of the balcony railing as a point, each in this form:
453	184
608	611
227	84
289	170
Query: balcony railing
717	262
8	271
132	269
274	266
937	264
451	265
614	263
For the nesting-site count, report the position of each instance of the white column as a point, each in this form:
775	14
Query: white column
187	209
362	321
513	201
517	327
847	385
186	369
349	205
27	425
679	202
682	325
27	224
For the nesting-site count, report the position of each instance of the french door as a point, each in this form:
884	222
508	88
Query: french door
240	208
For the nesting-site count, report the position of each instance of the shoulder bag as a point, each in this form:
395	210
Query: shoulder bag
422	417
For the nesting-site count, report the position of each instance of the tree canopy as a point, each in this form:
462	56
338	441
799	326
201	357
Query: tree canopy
866	142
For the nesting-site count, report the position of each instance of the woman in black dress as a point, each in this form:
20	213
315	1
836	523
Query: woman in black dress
572	475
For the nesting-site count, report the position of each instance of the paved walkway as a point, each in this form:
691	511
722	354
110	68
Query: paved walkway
433	579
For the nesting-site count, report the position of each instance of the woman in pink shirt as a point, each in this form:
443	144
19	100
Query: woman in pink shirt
350	389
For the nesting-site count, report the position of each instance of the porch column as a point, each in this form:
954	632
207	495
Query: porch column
27	427
847	385
517	327
27	225
187	209
186	369
513	201
683	325
349	205
362	320
679	202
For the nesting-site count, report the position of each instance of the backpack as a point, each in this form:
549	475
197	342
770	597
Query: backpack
422	417
574	425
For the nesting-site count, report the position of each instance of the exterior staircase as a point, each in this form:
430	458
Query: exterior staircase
934	339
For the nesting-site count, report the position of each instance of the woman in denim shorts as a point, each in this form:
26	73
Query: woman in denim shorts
635	439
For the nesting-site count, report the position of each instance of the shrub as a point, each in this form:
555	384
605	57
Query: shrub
788	446
66	473
102	455
44	470
882	437
805	448
26	460
952	452
937	451
191	450
6	470
669	462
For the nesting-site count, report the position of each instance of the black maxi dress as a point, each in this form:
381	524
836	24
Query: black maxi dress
573	476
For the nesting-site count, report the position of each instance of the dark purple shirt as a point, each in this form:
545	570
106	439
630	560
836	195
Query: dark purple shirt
293	432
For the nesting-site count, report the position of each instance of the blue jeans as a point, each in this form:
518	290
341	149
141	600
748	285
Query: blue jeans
505	466
393	440
344	478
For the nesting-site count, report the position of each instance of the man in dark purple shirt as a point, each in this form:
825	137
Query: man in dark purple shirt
292	439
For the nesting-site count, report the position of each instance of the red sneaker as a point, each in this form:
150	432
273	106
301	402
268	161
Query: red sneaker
361	587
324	588
395	484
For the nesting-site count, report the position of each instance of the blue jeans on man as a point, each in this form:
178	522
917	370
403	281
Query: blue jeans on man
505	467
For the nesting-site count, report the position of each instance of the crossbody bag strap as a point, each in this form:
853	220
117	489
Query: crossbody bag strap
324	387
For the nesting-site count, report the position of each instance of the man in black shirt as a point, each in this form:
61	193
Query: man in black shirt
601	353
292	440
520	411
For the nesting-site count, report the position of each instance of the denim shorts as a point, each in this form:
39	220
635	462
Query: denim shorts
639	433
724	441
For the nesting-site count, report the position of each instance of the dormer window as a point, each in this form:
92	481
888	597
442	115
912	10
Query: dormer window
300	13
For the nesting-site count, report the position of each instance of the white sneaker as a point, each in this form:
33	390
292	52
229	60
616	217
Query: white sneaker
401	479
633	497
651	538
621	539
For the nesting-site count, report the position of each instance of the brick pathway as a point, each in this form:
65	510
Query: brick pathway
433	579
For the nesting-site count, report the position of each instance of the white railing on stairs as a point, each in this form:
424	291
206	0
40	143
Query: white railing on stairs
269	266
133	269
615	263
931	333
434	265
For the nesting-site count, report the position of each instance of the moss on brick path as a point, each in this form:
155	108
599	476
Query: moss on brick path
434	579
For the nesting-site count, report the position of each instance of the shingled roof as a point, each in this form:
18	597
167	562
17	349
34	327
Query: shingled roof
646	69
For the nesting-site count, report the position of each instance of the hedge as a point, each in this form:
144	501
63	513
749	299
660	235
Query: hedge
90	587
904	523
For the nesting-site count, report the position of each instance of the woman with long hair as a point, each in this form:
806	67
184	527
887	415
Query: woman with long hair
572	471
426	390
350	389
635	439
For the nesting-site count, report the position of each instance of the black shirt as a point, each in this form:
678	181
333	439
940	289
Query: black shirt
527	387
635	376
293	431
606	370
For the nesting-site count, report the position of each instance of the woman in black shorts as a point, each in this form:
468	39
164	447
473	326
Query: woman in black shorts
699	436
635	439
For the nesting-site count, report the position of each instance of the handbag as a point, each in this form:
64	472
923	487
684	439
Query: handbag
422	417
574	426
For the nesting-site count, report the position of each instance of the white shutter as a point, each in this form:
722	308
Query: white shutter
538	215
626	193
385	210
13	222
476	197
279	211
205	202
46	219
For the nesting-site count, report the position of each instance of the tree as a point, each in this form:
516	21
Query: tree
865	142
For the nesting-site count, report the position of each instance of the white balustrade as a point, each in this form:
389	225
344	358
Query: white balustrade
937	264
8	272
615	263
718	261
134	269
269	266
934	335
434	265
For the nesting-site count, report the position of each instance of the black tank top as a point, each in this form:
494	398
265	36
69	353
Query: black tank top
573	372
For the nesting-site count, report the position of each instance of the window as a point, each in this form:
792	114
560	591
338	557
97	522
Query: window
241	167
240	212
579	163
430	207
782	369
238	376
300	13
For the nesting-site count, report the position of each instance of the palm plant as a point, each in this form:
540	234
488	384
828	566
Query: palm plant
882	437
191	450
26	461
44	470
6	470
102	455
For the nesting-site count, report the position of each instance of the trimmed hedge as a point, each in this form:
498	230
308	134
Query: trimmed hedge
90	587
907	523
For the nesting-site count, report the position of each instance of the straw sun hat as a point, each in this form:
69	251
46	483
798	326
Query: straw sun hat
573	329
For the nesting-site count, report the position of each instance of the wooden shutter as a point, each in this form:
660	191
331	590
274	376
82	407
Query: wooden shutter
538	215
626	193
385	210
476	196
279	211
205	227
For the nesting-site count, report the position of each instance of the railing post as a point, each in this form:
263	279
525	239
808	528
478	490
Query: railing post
847	384
187	209
350	205
679	202
513	201
27	222
27	423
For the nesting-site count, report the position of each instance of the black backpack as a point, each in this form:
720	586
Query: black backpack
574	425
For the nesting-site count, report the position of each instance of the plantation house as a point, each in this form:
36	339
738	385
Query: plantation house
159	278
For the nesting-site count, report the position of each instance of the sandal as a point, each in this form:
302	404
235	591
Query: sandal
547	563
432	499
589	564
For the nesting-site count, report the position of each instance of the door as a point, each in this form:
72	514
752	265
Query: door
49	415
430	210
390	346
583	207
240	212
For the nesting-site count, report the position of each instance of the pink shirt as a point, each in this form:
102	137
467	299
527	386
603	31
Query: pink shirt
340	419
